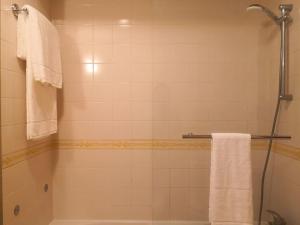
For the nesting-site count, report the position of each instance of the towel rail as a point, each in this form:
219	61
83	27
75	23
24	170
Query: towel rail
16	10
208	136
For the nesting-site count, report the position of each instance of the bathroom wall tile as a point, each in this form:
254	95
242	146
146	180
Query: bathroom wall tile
122	53
142	196
199	177
77	53
8	27
9	60
160	130
142	12
67	12
284	180
113	12
142	177
281	184
85	130
141	92
18	191
77	73
120	177
179	203
142	34
179	159
142	53
142	158
103	53
122	111
121	196
143	69
27	178
179	177
142	73
198	203
161	159
161	92
142	111
122	72
237	111
199	160
5	4
76	34
103	34
161	203
161	177
104	73
122	34
91	111
78	92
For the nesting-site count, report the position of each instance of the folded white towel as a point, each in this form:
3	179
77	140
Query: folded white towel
230	201
38	42
21	37
38	45
41	105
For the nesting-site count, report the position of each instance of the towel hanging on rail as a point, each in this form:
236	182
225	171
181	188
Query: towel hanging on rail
38	44
230	200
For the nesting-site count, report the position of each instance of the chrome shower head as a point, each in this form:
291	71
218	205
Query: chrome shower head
255	7
267	11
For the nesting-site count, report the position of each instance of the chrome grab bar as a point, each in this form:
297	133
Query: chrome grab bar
209	136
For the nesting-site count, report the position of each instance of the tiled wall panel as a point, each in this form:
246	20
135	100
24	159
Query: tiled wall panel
143	69
22	182
285	190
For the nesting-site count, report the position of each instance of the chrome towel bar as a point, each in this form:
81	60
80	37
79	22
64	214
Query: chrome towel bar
208	136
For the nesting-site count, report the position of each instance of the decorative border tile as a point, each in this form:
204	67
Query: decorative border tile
155	144
287	150
12	159
132	144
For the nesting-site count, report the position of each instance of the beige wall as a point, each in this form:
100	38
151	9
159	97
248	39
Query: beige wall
137	184
285	188
161	69
285	194
143	70
22	182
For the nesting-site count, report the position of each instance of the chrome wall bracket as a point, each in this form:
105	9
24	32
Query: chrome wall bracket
16	10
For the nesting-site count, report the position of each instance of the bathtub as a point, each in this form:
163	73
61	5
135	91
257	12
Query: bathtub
125	222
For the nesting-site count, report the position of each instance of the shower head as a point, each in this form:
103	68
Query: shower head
255	7
267	11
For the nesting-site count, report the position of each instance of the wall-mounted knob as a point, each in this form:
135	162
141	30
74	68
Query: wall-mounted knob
17	210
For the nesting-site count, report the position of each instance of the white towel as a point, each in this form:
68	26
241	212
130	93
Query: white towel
38	42
230	200
40	53
21	37
41	105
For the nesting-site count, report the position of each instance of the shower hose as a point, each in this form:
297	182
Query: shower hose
262	190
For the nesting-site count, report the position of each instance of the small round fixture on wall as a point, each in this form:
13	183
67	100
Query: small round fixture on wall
17	210
46	188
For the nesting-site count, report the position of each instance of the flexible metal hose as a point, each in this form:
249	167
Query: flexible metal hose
262	190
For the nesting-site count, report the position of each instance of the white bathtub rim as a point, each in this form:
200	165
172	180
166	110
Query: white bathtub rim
126	222
129	222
